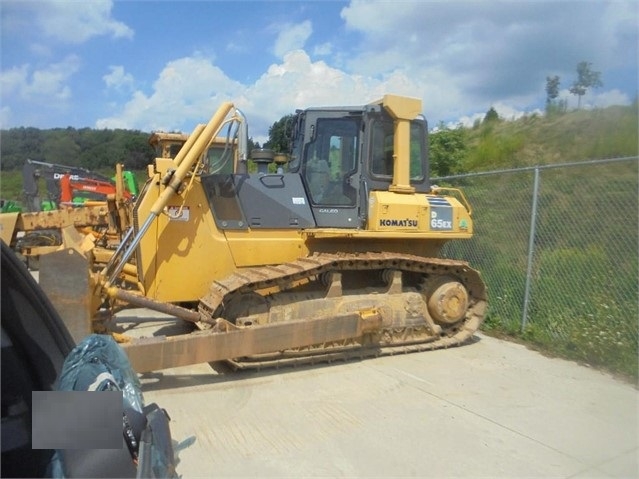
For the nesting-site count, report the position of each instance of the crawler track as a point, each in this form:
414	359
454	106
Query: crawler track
394	338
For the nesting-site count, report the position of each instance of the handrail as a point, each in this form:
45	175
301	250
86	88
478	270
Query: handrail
439	189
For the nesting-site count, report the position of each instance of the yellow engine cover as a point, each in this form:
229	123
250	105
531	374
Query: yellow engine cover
419	213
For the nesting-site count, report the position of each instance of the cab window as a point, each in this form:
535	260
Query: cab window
219	160
382	139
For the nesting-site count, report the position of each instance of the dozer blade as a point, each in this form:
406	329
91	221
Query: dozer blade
64	277
152	354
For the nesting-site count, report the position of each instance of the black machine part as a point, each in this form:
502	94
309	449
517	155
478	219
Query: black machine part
35	343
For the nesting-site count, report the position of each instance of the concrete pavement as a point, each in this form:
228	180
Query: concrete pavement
488	409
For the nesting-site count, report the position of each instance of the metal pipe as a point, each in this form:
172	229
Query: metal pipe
143	302
541	167
242	143
531	247
119	249
117	267
186	147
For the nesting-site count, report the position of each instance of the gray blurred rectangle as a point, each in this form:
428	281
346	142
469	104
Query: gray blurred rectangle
77	420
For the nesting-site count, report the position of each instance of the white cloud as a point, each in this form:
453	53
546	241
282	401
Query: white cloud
118	78
76	22
608	98
505	112
292	37
52	81
508	112
190	89
596	99
186	93
466	121
46	85
309	83
13	80
71	22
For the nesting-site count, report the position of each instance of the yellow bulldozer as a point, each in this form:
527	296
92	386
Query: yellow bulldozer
332	255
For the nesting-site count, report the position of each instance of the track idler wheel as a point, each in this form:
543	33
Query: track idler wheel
447	300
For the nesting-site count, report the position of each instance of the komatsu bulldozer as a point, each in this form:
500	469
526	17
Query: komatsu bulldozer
330	255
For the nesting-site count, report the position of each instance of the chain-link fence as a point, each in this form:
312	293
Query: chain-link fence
557	247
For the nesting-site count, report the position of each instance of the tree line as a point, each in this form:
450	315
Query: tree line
85	147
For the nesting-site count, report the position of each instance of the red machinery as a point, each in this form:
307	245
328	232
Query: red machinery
68	186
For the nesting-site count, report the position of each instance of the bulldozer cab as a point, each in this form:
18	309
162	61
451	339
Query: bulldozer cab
345	153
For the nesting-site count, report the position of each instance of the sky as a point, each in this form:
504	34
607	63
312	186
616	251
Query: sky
168	65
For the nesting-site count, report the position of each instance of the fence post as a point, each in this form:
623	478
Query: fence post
531	246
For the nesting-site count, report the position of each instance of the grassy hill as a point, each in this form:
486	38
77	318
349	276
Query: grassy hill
542	140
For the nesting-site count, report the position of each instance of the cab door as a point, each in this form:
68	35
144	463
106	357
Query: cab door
330	171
